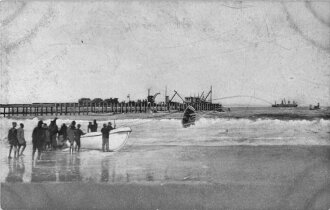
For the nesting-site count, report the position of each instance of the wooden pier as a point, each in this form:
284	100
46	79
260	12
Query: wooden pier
41	109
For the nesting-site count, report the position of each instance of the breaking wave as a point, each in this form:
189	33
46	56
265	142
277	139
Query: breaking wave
207	131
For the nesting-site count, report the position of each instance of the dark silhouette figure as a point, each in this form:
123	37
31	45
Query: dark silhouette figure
94	127
79	133
105	138
38	139
21	138
47	144
89	127
13	141
53	130
62	135
71	131
110	126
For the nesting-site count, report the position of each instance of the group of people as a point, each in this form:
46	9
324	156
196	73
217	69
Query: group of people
92	127
16	140
49	137
45	137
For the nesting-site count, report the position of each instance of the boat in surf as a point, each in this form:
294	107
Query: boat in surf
117	139
189	116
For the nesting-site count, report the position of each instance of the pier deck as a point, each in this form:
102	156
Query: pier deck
90	108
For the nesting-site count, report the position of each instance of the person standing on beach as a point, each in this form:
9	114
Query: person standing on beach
110	126
47	144
71	131
53	130
105	138
62	135
94	127
89	127
110	129
13	141
20	138
79	133
38	139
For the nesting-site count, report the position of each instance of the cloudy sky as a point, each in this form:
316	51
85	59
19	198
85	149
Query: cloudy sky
62	51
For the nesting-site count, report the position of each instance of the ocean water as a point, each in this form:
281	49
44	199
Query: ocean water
158	150
207	131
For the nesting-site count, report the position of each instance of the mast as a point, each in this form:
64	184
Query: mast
165	92
180	96
201	97
211	94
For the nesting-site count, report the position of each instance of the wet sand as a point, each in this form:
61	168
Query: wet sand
171	177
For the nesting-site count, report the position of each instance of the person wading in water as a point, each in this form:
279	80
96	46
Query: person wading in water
71	131
47	143
105	138
79	132
38	139
53	130
13	141
21	139
94	126
89	127
62	135
110	129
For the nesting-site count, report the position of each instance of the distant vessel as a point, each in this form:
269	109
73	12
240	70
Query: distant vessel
315	107
285	104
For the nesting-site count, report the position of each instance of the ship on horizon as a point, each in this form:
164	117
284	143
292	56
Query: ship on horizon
285	104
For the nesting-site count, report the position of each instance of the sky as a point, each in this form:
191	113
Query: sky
62	51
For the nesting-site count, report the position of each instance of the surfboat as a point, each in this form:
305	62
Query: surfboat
189	117
117	139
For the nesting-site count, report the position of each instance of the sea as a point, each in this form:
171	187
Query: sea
157	149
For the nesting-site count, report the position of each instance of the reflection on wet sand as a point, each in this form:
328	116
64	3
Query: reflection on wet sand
56	167
16	170
43	170
105	170
108	166
69	169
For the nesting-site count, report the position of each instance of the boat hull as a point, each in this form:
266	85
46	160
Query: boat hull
117	139
189	117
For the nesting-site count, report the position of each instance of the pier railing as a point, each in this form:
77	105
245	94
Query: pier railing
95	108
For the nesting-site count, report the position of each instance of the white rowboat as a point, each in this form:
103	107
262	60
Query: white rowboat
117	139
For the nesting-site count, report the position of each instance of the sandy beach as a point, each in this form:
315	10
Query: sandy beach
155	177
